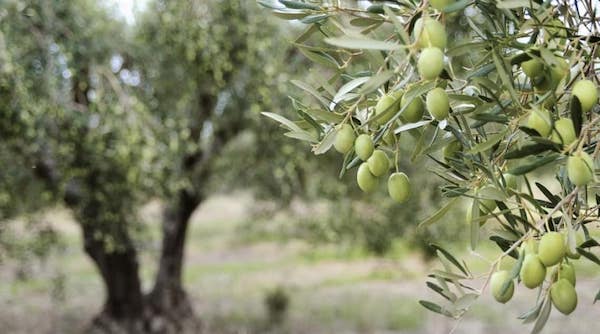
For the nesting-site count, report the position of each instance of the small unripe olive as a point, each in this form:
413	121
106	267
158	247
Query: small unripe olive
552	248
533	68
399	187
533	271
440	4
587	94
580	168
363	146
556	74
414	112
563	296
387	106
390	138
437	103
564	131
451	149
497	281
431	63
367	182
430	33
567	271
378	163
344	139
540	120
530	246
486	205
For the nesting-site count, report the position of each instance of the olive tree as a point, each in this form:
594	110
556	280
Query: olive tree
101	117
501	98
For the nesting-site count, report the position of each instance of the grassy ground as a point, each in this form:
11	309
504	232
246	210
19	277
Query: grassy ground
332	289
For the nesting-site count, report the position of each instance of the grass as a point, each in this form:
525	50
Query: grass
333	288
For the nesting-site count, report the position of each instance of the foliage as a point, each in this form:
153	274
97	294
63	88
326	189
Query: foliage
506	108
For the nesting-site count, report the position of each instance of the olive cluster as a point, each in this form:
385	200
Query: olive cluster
580	166
539	257
375	164
430	37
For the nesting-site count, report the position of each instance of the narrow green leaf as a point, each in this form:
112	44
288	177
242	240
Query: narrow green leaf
512	4
505	76
589	255
316	18
298	5
289	15
284	121
301	135
528	150
349	42
486	145
438	214
432	306
450	258
375	82
398	25
543	317
311	91
326	143
534	164
364	21
576	114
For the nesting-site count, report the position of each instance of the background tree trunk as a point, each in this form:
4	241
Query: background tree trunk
168	301
124	306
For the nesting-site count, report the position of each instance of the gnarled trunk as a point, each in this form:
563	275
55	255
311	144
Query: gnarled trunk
123	309
168	302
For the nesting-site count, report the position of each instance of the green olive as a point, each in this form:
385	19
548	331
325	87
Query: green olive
437	103
580	168
386	106
575	254
552	248
363	146
378	163
390	138
367	182
440	4
533	271
452	149
564	131
486	205
344	139
552	79
587	94
567	271
414	112
563	296
431	33
399	187
540	120
530	246
431	63
497	282
533	68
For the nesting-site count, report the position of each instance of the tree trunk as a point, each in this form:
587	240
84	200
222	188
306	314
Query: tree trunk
169	304
123	310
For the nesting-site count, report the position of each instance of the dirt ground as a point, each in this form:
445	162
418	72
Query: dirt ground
330	289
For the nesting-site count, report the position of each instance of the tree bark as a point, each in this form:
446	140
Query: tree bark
168	301
123	309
